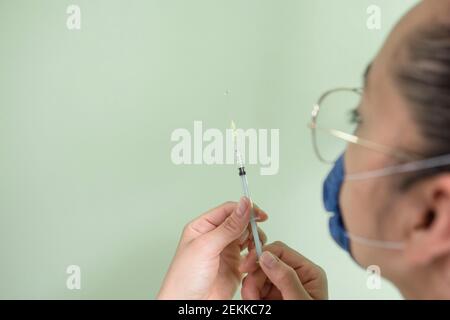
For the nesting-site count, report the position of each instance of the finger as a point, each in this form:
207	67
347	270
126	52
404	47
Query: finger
262	236
283	277
274	293
249	263
213	218
230	230
266	289
257	286
287	254
260	215
281	250
252	285
249	241
208	221
244	237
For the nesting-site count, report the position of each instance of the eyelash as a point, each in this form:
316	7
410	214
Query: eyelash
355	117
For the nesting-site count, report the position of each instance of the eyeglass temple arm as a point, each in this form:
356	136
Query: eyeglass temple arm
366	143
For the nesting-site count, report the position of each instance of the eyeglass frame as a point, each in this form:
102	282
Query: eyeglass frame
350	138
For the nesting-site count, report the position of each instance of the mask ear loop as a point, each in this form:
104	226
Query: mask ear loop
382	244
402	168
390	245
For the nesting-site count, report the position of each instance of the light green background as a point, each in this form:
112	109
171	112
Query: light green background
86	117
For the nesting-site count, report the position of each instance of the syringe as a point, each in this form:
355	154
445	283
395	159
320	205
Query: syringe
244	182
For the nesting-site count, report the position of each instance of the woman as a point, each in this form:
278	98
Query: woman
389	191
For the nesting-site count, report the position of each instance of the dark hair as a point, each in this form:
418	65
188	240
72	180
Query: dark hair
424	80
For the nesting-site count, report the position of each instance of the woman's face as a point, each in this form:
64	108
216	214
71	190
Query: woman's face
372	208
375	208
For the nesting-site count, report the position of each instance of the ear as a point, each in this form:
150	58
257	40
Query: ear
430	235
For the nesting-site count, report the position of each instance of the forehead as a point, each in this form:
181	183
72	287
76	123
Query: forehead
426	13
387	112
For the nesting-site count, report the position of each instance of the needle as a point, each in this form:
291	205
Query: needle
244	182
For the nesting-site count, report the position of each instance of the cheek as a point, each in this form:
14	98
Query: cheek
357	212
354	207
354	195
362	200
360	204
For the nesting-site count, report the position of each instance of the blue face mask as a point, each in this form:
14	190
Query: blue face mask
331	190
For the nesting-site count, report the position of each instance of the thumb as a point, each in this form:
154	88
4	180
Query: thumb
230	230
283	277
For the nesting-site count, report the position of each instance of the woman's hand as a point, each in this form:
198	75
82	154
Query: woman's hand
206	263
282	273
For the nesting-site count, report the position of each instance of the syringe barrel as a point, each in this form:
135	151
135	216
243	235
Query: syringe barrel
252	215
244	184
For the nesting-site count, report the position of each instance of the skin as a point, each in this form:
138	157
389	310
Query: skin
206	264
373	208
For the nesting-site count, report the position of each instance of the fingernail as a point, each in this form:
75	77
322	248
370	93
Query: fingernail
242	207
268	259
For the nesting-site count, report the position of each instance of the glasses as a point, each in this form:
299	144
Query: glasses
334	124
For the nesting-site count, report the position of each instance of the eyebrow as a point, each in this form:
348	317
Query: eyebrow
366	74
